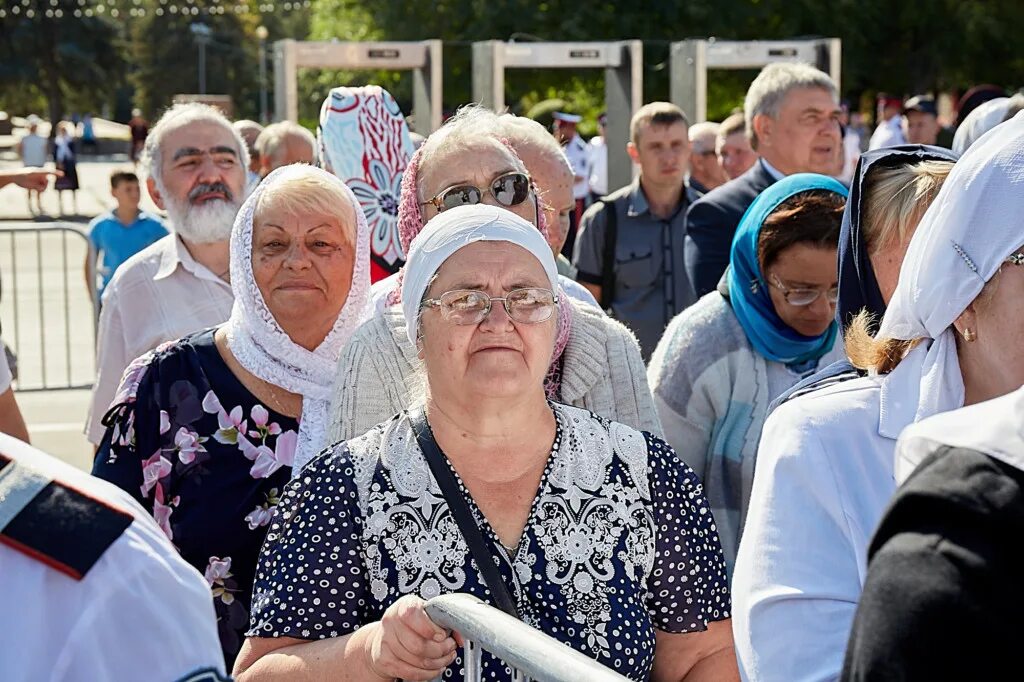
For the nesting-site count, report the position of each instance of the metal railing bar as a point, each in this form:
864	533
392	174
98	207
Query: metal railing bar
42	311
67	306
14	290
24	340
533	653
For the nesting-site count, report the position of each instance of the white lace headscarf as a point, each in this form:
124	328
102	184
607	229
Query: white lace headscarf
966	234
260	344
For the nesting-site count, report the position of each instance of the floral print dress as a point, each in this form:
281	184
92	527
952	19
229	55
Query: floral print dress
620	542
202	455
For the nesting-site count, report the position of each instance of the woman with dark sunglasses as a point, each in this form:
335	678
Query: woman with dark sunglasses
590	531
596	362
770	324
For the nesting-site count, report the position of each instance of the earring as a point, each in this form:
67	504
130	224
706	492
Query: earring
969	335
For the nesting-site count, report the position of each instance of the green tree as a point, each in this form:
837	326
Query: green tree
50	51
165	55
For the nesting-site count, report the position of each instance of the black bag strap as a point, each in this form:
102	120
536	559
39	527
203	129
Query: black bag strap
483	557
611	225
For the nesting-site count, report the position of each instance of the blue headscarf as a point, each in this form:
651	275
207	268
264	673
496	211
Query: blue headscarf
748	290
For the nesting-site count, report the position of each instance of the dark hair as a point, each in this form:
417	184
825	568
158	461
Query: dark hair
119	176
812	218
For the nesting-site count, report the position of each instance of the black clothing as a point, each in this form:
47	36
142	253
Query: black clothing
943	597
711	223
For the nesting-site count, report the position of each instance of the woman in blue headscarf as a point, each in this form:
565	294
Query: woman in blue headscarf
770	324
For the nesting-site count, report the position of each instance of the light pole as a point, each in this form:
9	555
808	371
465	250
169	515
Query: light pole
203	35
262	33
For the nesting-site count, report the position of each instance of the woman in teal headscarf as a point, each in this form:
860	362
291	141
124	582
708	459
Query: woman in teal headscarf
771	323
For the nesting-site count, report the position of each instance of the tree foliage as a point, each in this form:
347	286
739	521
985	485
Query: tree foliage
896	47
47	54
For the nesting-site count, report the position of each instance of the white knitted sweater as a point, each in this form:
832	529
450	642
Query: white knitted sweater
602	372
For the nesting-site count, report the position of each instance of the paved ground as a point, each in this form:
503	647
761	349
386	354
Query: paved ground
45	307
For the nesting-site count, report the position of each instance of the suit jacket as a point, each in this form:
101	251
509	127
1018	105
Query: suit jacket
711	224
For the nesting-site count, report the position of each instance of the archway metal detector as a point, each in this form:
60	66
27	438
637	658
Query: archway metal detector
691	59
622	62
423	58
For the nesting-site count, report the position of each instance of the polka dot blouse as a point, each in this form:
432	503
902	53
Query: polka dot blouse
620	541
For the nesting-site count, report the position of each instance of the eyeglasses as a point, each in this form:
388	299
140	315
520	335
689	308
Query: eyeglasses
470	306
802	297
508	189
1015	258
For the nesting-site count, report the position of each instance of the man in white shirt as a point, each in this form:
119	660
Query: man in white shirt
889	132
196	164
33	152
597	155
92	589
576	151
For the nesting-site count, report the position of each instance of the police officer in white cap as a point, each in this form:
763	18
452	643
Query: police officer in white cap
579	159
90	587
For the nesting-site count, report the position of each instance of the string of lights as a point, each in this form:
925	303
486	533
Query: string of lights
124	9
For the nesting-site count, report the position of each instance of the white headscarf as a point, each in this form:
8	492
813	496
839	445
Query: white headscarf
984	118
260	344
973	225
451	230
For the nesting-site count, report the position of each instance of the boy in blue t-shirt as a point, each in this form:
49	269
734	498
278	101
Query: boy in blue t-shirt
117	235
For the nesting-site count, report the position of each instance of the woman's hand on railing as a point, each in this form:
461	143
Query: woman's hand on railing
406	644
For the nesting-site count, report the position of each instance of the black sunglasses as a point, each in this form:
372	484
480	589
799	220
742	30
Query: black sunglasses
508	189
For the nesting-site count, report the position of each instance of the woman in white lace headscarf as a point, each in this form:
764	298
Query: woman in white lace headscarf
207	430
596	533
951	336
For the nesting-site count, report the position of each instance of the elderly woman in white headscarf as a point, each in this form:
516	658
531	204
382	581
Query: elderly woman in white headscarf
951	336
596	364
205	431
587	529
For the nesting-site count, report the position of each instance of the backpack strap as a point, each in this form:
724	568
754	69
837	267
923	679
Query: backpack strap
611	235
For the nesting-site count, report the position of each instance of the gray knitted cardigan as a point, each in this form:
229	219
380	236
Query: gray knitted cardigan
602	372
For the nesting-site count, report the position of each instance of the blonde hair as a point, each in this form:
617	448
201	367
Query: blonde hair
305	190
894	201
896	198
882	356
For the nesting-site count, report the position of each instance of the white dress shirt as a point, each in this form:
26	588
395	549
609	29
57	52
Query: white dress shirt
888	134
597	152
577	153
139	613
824	476
159	294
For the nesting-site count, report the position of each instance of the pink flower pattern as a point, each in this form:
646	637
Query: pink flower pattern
210	471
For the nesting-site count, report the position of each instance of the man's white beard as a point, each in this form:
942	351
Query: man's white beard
205	223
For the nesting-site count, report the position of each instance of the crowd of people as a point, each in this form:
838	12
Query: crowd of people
360	372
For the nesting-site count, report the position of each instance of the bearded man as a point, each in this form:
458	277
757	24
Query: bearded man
195	163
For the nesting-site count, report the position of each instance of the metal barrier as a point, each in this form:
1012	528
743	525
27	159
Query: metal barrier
531	654
47	311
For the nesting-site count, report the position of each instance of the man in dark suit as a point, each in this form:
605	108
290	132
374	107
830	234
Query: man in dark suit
792	113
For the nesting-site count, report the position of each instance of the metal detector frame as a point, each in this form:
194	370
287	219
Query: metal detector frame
621	60
423	58
691	59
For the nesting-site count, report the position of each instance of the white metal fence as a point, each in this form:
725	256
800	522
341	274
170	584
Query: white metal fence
47	311
531	654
